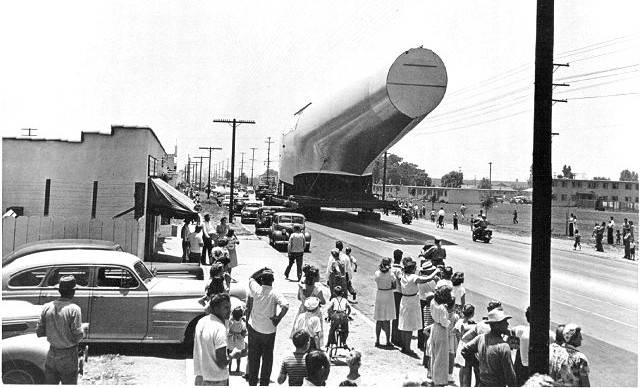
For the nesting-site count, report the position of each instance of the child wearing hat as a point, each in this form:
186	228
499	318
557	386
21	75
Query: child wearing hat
310	322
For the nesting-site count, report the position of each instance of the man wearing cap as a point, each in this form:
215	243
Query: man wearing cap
262	305
494	353
61	323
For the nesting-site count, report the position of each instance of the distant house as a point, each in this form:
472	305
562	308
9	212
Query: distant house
589	193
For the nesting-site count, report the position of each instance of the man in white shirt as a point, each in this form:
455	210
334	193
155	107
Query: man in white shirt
441	218
262	305
195	244
348	267
210	359
295	249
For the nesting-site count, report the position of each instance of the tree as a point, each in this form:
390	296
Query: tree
487	203
629	176
566	172
399	172
601	178
484	184
452	179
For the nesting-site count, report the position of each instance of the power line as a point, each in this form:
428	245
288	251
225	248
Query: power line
604	96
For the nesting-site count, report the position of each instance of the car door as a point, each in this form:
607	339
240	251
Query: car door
25	285
49	290
119	304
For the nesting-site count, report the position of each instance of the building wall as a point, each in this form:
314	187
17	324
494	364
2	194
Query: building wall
614	194
448	194
116	160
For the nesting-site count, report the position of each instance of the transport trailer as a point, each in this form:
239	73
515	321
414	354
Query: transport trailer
310	206
327	155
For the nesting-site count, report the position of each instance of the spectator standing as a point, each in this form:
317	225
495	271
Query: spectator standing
385	309
410	316
439	338
196	244
441	218
208	235
464	324
627	238
570	368
348	266
262	306
184	235
618	237
437	254
471	222
236	336
222	229
599	234
310	322
494	354
577	237
521	364
296	247
459	292
463	209
396	271
294	366
425	292
61	322
455	221
232	243
318	368
210	357
610	226
309	289
515	216
337	273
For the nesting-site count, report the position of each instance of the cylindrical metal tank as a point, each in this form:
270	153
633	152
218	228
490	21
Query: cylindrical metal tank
345	133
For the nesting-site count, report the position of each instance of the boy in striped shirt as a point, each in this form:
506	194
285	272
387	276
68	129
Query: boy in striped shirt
294	365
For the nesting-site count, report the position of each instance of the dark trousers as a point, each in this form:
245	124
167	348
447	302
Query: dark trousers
421	337
61	366
206	249
570	229
260	351
599	246
522	372
339	321
610	236
455	224
185	250
295	257
395	333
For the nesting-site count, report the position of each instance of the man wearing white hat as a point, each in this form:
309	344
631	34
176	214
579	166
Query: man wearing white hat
494	353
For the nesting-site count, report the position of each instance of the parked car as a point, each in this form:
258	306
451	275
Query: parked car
282	227
183	270
23	353
263	218
250	211
238	205
120	298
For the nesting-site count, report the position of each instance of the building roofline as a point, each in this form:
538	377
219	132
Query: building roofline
113	130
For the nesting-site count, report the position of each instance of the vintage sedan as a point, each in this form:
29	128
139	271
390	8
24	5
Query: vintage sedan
250	211
159	268
120	298
23	353
282	226
263	218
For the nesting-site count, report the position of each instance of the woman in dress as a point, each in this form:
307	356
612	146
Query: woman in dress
410	316
570	368
232	241
439	339
308	288
385	308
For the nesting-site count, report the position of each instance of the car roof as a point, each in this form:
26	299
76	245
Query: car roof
289	214
19	310
56	244
273	207
71	257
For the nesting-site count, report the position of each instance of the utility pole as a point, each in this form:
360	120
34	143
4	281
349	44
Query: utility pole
209	171
540	275
241	166
200	177
490	163
253	158
189	170
269	142
234	123
29	131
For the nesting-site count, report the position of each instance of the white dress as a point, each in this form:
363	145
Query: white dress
410	316
385	307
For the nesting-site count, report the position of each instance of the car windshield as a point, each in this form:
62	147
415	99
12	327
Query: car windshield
143	271
252	204
291	219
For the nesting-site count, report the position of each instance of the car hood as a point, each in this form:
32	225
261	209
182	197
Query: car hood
176	287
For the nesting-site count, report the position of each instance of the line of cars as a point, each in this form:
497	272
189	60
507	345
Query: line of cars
278	222
120	297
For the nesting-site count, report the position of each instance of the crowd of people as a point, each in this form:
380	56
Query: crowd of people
624	236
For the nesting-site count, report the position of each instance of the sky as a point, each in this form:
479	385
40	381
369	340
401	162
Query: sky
175	66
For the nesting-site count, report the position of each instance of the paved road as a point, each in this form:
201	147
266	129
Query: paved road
598	293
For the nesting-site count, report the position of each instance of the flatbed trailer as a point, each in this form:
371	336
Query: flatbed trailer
310	206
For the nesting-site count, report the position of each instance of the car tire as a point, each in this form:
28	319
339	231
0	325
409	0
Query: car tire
21	372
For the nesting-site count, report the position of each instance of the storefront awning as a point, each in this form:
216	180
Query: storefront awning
165	200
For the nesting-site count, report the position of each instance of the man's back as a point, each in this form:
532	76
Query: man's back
494	355
61	322
296	242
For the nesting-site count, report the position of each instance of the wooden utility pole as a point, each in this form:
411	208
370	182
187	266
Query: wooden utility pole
234	123
540	276
269	142
209	171
241	166
200	176
384	176
253	158
29	130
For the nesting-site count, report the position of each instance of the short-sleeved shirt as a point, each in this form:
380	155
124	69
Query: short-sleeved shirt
265	301
295	368
208	229
494	354
567	365
195	241
210	335
61	322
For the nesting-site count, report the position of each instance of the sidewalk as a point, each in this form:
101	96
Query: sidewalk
253	254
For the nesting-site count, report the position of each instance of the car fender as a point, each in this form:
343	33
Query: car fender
27	347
